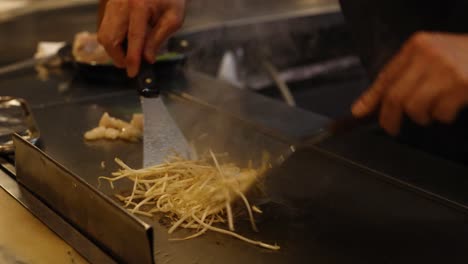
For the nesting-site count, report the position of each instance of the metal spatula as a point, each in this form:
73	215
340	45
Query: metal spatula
341	126
161	136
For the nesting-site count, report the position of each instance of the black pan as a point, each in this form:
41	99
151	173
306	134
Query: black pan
167	64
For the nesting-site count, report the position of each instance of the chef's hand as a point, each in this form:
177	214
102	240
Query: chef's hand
427	80
145	23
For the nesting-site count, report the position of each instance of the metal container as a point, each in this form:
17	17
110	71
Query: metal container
16	117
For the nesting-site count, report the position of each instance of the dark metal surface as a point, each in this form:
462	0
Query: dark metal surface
59	88
222	134
368	217
218	130
285	123
198	109
330	95
118	233
372	148
322	208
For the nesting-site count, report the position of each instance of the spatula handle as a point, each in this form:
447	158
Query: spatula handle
146	79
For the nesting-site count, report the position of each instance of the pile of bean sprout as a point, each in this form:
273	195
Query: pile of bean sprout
193	194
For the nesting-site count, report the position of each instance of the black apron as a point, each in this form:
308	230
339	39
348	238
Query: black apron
379	29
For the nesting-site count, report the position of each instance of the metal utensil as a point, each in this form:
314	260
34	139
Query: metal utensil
161	135
16	117
64	54
340	126
24	64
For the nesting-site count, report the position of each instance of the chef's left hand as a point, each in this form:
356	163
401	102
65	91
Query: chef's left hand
146	24
427	80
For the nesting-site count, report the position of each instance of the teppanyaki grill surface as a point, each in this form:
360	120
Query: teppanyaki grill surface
321	208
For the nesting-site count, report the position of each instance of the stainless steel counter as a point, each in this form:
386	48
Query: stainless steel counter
24	239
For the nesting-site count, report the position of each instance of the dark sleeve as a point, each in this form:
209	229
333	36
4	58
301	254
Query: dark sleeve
379	28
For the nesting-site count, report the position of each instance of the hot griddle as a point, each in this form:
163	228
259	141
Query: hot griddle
320	207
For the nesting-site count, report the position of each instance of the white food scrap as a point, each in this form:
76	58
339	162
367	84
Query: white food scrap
111	133
95	133
112	122
113	128
137	121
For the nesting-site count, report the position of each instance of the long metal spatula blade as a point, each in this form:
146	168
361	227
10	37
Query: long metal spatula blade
161	136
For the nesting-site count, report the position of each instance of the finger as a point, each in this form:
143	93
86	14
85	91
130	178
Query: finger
113	30
447	108
390	118
139	16
370	100
398	94
117	54
167	25
419	105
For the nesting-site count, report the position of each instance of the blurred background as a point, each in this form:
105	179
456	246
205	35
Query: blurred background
297	51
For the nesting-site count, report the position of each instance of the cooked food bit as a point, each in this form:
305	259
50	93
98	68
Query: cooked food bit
113	128
111	133
193	194
95	133
130	133
87	49
257	210
137	121
112	122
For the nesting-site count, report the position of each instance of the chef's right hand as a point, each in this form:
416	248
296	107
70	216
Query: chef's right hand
145	23
427	80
